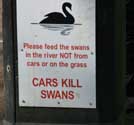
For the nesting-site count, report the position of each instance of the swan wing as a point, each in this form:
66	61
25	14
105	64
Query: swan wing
54	14
54	18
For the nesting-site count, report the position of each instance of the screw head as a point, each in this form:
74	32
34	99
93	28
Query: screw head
23	101
92	53
90	104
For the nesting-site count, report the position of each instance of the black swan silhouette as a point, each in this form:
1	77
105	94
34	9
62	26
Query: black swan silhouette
59	18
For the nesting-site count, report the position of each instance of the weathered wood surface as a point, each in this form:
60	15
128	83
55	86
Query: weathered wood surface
0	16
1	66
1	83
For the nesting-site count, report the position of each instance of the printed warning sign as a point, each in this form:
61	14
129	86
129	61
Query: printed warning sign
56	53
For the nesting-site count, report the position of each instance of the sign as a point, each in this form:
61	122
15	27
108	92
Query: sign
56	53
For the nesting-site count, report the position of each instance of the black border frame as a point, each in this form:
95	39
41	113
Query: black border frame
110	65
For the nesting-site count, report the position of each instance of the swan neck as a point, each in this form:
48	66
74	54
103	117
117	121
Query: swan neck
65	11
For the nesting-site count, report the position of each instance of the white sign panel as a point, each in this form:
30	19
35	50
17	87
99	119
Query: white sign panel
56	53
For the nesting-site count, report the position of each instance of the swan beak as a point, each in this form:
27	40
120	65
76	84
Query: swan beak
70	7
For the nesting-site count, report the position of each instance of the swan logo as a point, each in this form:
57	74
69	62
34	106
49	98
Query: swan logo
59	18
56	21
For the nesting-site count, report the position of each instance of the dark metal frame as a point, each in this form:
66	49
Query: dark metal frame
110	46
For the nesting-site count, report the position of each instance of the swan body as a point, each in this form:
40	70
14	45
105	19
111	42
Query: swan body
59	18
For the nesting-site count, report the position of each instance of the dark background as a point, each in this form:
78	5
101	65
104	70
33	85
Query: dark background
130	60
130	48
